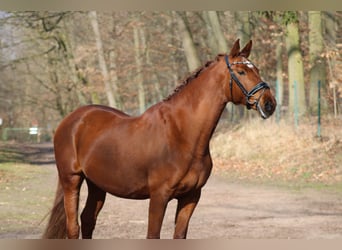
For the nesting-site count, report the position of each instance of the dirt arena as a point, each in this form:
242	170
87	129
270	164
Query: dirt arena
228	209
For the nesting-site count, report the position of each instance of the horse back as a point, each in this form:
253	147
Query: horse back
70	122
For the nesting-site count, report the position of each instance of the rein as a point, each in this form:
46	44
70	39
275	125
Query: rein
260	86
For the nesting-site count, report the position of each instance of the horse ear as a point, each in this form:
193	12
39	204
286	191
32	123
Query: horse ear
236	49
246	50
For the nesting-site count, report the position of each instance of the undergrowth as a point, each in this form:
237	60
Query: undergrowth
278	152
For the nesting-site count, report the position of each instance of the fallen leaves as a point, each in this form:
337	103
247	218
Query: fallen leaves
279	152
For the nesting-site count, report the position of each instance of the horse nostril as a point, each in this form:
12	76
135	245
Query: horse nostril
269	106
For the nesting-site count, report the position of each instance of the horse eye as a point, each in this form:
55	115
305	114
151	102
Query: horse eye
241	73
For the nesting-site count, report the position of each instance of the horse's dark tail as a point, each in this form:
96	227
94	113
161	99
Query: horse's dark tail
56	228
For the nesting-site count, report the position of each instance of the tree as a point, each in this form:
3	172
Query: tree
243	27
189	47
137	33
215	36
102	62
279	70
333	41
295	64
316	59
50	64
244	34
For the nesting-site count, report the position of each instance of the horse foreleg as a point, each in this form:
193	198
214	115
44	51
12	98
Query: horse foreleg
158	204
186	206
94	204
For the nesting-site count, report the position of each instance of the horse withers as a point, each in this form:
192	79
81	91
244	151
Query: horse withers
160	155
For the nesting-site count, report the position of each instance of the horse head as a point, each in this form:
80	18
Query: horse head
245	84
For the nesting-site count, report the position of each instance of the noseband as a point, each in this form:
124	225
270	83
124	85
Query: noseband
260	86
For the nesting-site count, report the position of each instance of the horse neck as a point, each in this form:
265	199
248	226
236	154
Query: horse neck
201	103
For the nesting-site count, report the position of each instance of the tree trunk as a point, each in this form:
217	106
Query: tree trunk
211	39
317	62
114	77
244	34
70	58
244	31
113	68
102	62
152	76
338	65
215	32
279	69
139	77
333	38
172	24
188	43
295	70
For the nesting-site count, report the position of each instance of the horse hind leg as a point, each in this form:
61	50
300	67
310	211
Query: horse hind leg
94	204
71	189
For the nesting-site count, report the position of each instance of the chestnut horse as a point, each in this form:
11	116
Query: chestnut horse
160	155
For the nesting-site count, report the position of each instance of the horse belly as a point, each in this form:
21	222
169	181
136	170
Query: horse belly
115	167
119	182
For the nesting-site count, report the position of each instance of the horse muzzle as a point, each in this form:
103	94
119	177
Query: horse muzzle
266	106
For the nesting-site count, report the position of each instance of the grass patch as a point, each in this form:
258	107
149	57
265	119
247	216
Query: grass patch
26	196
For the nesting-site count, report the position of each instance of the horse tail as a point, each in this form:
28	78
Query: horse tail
56	228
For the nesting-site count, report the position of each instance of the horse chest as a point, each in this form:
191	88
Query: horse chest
195	178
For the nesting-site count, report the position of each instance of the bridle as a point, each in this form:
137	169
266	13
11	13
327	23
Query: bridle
260	86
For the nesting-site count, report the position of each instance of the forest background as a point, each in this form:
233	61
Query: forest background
54	62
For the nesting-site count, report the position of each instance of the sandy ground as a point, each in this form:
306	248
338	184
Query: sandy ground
227	210
234	211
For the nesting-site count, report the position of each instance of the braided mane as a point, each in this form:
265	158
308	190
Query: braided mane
192	76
